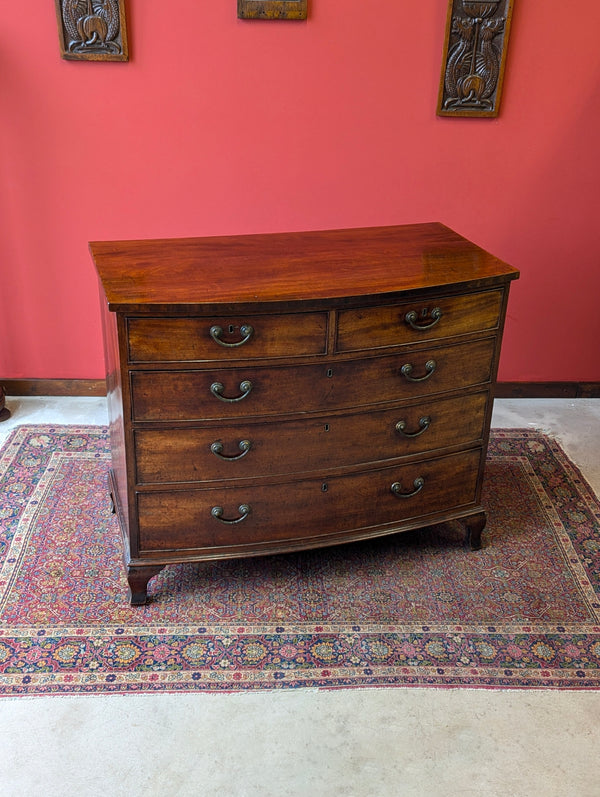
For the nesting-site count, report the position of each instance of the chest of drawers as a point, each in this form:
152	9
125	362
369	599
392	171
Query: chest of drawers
270	393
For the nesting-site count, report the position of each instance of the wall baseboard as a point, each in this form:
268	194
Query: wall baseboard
54	387
97	387
547	390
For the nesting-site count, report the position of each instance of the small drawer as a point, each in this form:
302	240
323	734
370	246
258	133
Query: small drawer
305	511
267	391
226	337
419	320
245	450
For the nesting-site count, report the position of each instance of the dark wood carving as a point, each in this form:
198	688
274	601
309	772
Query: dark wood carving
92	30
271	9
474	57
4	411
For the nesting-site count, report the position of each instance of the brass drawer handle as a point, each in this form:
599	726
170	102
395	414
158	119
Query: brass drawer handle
217	513
411	319
424	423
418	484
406	371
243	445
246	332
217	389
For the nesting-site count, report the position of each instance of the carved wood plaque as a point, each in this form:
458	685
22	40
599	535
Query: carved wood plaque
92	30
474	57
271	9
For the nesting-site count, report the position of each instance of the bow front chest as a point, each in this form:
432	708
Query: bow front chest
278	392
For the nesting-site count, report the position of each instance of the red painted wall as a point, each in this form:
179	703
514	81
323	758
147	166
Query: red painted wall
219	125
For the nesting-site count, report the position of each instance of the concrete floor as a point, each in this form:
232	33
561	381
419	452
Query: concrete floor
356	743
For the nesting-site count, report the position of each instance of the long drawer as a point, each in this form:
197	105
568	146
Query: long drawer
191	520
245	450
221	393
226	338
418	320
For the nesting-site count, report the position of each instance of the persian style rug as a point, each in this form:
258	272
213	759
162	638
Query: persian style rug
417	609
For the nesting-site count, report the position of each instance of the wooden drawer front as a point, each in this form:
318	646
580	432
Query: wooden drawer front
388	326
186	395
190	339
305	510
270	449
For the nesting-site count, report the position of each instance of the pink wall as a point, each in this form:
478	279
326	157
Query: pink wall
218	126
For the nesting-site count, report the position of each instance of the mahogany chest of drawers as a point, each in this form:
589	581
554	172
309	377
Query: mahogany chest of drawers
270	393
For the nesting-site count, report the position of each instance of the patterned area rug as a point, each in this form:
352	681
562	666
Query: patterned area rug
417	609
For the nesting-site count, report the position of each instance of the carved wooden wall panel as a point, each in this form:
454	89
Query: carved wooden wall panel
92	30
271	9
474	57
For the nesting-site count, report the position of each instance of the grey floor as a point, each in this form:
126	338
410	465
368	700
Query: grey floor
371	743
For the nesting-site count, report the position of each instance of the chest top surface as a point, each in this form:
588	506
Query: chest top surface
283	268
